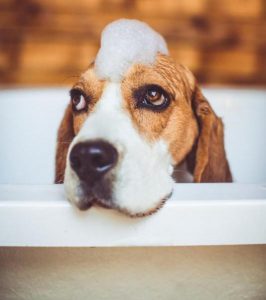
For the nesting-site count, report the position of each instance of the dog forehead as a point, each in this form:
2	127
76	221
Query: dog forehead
89	81
164	71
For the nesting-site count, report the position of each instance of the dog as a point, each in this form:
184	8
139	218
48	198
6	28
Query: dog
121	143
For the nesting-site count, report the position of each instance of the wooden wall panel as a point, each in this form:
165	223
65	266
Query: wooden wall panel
49	42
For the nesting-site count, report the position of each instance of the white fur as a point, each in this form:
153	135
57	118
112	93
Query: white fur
71	184
143	173
126	42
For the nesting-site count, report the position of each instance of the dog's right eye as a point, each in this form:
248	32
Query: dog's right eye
152	97
78	101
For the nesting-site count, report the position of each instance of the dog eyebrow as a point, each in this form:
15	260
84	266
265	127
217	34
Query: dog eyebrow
76	90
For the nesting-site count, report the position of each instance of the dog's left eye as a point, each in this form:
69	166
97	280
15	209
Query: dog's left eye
153	97
78	100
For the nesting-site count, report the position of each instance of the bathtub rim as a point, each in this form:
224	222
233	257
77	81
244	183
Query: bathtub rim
228	214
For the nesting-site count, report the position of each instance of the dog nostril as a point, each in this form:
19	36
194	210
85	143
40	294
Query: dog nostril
91	160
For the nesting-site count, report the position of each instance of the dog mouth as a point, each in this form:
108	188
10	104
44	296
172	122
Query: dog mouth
95	194
87	202
101	196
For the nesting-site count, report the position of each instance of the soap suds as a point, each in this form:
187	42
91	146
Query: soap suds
123	43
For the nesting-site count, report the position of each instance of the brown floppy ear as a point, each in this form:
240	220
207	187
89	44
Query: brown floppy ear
64	138
208	158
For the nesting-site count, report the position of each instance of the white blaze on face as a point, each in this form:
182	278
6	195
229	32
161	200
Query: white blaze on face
142	175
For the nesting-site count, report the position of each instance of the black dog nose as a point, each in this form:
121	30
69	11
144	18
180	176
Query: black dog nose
91	160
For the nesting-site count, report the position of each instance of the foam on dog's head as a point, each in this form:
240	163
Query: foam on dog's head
123	43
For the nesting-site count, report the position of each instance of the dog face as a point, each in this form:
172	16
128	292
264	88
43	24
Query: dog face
119	142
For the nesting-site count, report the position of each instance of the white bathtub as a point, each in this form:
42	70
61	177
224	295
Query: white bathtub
34	213
197	214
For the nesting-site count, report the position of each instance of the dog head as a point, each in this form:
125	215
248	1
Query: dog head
122	136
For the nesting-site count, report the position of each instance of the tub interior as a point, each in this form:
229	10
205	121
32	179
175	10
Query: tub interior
29	119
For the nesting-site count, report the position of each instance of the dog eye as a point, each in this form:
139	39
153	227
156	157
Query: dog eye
78	101
153	97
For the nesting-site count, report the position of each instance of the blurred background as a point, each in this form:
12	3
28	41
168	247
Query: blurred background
51	42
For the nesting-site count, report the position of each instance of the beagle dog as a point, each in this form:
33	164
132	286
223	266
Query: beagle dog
121	142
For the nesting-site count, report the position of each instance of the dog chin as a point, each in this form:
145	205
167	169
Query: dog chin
84	198
89	200
147	212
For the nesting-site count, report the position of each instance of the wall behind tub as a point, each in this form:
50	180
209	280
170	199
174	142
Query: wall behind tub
228	272
50	42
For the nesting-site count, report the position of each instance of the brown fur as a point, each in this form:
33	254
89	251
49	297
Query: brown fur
174	125
64	138
189	126
209	163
